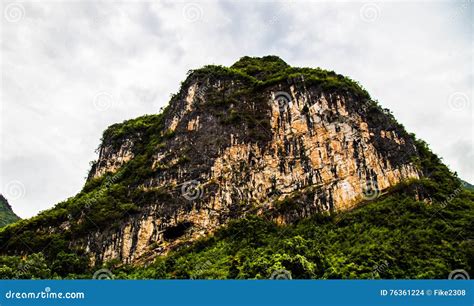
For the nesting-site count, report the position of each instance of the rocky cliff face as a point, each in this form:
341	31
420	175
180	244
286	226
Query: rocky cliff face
242	140
7	215
259	137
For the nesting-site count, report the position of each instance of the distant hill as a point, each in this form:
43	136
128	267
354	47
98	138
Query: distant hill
467	185
7	215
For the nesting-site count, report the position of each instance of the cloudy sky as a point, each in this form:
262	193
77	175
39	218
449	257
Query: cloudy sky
69	69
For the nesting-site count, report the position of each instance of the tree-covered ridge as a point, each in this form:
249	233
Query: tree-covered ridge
270	70
7	215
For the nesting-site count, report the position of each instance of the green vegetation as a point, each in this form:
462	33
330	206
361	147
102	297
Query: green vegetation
395	236
392	237
271	70
130	129
260	68
408	238
7	216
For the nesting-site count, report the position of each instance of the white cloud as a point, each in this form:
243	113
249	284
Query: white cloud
60	56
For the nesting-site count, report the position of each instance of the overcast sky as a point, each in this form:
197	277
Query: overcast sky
70	69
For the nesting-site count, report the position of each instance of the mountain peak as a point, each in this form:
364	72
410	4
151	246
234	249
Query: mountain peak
247	61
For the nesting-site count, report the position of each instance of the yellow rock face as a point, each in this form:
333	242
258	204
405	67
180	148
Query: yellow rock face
335	158
327	149
111	160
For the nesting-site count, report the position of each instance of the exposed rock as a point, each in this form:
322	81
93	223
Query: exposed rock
320	142
111	159
235	142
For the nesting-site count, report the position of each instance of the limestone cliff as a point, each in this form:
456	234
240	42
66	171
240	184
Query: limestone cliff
235	141
237	148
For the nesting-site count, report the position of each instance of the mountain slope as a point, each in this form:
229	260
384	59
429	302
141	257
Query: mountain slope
393	237
7	215
258	139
